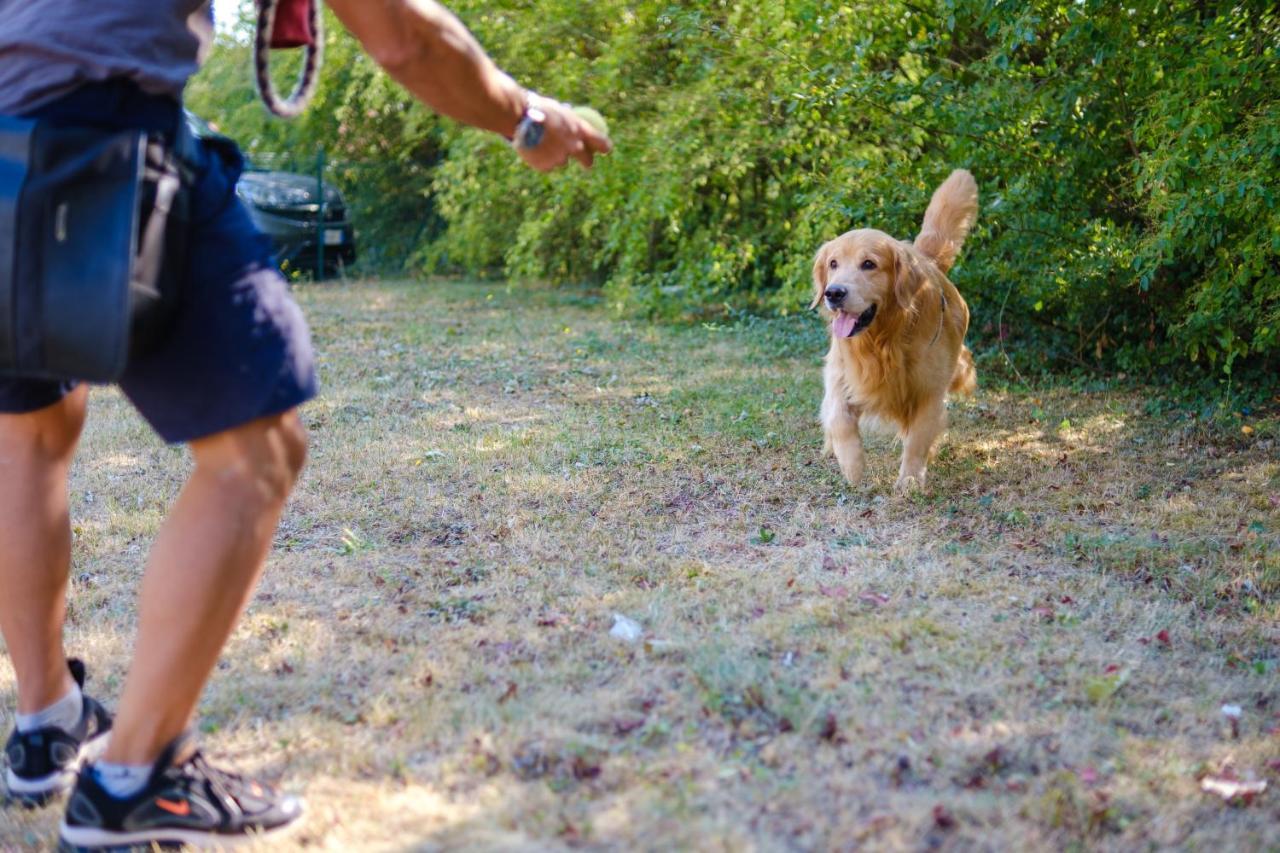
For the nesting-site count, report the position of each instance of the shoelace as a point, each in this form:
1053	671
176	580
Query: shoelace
227	786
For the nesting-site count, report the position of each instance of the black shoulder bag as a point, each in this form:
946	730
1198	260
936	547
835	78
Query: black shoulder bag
93	228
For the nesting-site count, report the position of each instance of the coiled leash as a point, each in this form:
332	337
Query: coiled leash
288	24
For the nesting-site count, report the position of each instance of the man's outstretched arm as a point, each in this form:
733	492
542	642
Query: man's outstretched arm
429	51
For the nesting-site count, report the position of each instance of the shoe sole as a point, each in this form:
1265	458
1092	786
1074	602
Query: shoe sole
82	839
34	793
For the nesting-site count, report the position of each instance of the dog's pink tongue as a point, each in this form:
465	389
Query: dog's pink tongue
844	324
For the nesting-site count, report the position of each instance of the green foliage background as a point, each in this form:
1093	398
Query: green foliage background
1127	156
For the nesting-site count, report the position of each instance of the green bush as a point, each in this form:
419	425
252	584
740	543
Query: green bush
1127	157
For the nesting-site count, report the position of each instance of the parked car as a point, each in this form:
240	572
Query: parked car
286	207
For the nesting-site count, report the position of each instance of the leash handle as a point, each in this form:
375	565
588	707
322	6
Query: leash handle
305	88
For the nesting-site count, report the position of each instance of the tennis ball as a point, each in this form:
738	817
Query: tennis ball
592	118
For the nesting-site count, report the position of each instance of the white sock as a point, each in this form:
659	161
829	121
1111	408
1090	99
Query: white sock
121	780
63	714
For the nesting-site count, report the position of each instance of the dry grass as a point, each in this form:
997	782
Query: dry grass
495	473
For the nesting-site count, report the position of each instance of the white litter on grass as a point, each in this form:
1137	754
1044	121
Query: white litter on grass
1229	789
1233	714
660	647
626	630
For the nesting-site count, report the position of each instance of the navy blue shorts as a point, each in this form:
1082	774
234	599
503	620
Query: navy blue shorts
239	348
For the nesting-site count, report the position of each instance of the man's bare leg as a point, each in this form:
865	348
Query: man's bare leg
203	567
35	559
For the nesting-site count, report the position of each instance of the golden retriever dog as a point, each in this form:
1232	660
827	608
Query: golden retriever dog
897	332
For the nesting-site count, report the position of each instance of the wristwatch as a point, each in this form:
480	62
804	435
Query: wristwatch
532	126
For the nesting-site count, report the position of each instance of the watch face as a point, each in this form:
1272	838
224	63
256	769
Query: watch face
531	129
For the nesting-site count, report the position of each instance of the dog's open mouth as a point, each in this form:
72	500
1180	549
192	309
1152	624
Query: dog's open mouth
847	325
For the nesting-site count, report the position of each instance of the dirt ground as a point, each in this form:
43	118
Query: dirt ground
1034	654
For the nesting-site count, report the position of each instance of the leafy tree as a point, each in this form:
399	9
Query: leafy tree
1127	155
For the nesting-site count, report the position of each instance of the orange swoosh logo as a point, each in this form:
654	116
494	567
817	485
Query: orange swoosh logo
181	809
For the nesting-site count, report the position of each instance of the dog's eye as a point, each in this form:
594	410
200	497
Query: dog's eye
868	264
834	263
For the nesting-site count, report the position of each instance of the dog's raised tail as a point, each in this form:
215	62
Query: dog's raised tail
951	213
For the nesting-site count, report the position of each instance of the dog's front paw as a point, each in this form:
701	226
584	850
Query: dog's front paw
908	483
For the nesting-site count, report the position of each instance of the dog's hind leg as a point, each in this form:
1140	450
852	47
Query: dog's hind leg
965	380
840	425
917	442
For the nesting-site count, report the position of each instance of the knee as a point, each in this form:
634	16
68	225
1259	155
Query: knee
260	462
279	458
291	455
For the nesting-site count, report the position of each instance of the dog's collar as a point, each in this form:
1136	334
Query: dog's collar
942	315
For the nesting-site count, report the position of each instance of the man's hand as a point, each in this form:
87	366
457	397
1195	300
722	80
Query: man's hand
565	135
428	50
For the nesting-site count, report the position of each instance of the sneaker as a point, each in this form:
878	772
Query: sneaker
44	763
186	801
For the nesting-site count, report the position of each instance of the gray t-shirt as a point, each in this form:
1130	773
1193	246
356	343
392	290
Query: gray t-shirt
49	47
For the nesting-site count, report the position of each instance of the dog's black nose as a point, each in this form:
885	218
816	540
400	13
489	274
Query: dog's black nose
836	293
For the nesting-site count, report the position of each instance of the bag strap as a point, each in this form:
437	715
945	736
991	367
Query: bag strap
162	166
171	164
171	169
310	76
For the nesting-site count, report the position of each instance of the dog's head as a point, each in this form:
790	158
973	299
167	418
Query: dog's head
860	276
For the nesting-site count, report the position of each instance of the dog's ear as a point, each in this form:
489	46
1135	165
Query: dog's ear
906	278
819	278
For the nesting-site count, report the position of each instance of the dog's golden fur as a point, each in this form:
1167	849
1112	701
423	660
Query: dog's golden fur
899	366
